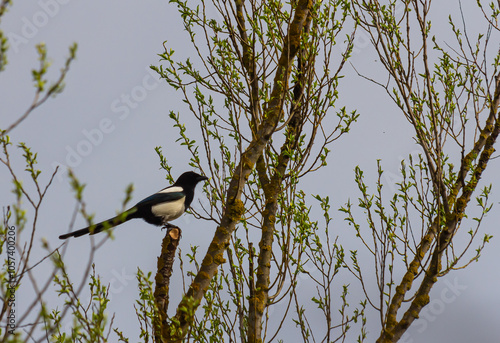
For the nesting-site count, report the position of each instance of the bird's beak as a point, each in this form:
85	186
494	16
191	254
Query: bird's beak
202	178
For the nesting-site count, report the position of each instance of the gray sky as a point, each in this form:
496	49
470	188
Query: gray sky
114	111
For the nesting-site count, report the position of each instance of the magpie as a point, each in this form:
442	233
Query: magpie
157	209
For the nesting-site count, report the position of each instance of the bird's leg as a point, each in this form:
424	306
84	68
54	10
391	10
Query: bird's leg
168	226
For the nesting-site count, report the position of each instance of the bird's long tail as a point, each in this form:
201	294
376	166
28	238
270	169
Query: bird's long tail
107	224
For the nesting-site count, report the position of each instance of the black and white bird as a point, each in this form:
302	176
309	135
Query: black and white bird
158	209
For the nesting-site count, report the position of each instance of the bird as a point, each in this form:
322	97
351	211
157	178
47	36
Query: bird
157	209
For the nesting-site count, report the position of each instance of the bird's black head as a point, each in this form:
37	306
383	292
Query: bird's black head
189	179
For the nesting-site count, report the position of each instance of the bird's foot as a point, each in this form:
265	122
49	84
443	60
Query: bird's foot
168	226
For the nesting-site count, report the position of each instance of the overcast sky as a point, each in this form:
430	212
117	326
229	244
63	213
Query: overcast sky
114	112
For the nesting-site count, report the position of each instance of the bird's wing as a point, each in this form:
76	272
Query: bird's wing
159	198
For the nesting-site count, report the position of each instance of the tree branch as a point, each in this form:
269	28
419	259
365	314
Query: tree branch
234	207
163	274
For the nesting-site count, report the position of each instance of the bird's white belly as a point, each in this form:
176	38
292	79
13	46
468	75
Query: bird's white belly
169	210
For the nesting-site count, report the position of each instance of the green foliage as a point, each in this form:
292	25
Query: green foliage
164	164
145	307
39	74
90	323
42	93
4	45
228	90
236	73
